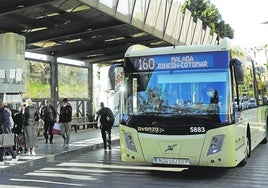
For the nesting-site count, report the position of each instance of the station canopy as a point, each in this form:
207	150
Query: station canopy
93	31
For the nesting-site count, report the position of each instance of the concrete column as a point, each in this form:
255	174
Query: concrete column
12	67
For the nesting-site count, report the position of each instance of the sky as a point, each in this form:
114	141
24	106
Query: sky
245	17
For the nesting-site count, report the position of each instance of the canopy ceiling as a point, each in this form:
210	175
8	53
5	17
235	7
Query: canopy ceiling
71	29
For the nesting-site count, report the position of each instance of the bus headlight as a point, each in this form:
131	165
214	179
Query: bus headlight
129	142
215	144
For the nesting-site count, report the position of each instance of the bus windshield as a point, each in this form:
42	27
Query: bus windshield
177	93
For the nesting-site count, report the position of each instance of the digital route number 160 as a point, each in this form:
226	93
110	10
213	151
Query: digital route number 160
145	64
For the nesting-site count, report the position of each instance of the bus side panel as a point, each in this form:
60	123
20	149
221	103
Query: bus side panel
257	121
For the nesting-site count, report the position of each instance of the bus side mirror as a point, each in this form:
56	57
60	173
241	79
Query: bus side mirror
115	75
111	80
238	71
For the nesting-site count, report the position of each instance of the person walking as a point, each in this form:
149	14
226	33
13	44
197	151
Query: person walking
48	115
65	119
105	119
5	128
31	118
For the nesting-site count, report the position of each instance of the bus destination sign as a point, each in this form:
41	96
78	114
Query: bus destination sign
174	62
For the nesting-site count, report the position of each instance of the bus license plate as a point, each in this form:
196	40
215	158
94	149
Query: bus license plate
172	161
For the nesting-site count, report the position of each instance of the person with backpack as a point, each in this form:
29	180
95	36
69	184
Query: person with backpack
48	115
5	128
6	108
105	119
65	119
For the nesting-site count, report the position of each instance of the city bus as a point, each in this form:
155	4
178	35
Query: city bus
189	106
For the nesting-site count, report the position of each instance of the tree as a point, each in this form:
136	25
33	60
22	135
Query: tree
210	17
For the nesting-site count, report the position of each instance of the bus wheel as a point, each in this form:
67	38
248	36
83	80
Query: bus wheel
247	154
248	148
264	141
243	162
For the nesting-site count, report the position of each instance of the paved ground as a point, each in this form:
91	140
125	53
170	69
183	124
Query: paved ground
89	139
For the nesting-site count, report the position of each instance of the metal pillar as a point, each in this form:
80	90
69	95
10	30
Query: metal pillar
90	89
54	81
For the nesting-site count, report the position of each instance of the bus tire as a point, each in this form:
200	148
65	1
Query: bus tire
243	162
248	142
264	141
248	149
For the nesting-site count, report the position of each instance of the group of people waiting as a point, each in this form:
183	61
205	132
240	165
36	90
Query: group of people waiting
26	122
27	118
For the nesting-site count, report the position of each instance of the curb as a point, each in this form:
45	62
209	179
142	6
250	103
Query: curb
53	157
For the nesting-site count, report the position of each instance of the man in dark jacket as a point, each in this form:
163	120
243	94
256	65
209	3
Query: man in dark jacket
105	119
48	115
65	119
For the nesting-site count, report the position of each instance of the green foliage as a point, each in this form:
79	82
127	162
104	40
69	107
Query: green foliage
210	17
73	91
73	81
37	90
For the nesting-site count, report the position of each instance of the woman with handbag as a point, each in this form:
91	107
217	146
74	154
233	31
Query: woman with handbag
5	128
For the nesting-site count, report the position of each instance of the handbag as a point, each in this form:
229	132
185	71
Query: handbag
56	128
7	139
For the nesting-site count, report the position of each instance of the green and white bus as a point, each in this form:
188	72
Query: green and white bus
199	105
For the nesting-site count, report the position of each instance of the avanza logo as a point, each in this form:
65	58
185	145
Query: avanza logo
151	129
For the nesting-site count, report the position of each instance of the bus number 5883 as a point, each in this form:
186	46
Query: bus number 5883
197	129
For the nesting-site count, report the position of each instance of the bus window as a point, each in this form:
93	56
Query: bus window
165	94
238	71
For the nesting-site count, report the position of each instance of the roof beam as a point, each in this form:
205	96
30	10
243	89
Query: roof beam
68	49
65	30
20	5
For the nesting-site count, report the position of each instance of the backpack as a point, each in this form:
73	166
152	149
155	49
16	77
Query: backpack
10	117
18	122
107	118
110	115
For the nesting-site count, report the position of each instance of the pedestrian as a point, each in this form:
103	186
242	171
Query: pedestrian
18	124
5	128
18	120
48	115
10	116
65	119
31	118
105	119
